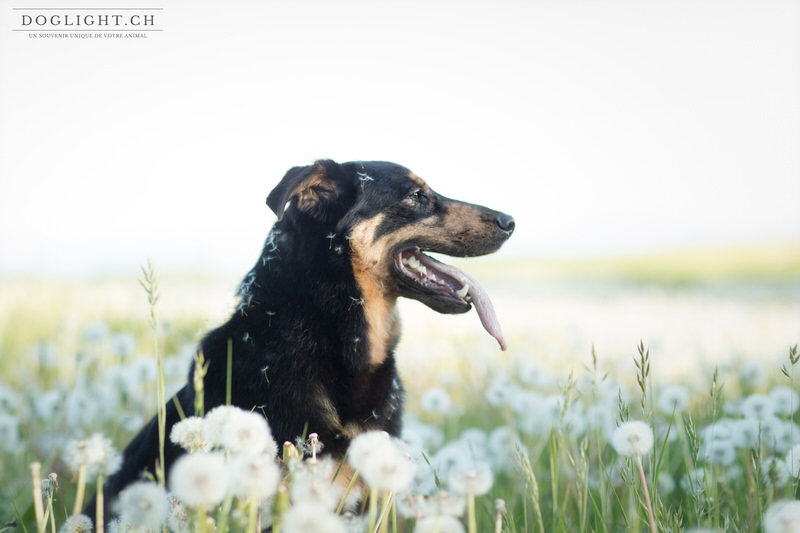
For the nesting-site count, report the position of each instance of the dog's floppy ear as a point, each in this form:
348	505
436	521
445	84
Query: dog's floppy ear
316	189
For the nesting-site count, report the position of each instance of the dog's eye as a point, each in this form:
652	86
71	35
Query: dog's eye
418	196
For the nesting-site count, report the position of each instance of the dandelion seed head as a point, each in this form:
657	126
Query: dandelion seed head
189	435
774	472
439	504
96	332
753	373
694	482
421	436
745	432
254	475
504	446
792	460
143	505
214	422
123	345
247	432
783	516
475	479
719	452
532	374
77	524
673	399
633	438
758	407
785	400
177	516
439	524
9	433
435	400
666	483
721	429
500	391
96	453
305	517
383	461
199	479
476	440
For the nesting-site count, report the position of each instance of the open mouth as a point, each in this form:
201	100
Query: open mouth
450	285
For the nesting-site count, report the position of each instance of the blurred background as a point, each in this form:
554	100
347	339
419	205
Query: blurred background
649	151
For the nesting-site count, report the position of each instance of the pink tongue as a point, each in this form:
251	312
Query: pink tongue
483	305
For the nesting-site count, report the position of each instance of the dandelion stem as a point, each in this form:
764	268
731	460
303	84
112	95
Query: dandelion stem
81	490
382	523
472	522
99	518
373	509
52	514
252	515
36	473
347	492
646	492
202	526
500	511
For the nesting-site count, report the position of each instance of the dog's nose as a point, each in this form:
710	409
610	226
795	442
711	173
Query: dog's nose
505	223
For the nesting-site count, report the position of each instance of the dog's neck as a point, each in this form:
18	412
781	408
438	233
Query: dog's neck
290	260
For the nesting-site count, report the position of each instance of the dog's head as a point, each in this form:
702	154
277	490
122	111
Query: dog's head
390	217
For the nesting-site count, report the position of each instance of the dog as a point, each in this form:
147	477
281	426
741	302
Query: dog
314	333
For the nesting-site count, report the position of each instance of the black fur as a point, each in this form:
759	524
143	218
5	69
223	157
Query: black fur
299	335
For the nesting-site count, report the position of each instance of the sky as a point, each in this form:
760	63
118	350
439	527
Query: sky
604	127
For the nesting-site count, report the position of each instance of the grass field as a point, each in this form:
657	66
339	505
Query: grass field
697	346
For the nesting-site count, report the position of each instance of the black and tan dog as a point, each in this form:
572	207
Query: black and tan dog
314	334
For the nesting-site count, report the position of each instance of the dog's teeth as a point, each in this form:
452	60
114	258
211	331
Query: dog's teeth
405	260
462	292
413	262
432	276
423	271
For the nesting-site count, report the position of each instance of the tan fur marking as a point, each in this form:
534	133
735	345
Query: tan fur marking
327	411
345	476
371	270
309	191
419	181
352	430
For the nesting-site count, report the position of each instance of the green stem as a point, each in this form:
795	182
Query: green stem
99	518
650	516
36	474
472	522
81	490
373	509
